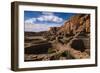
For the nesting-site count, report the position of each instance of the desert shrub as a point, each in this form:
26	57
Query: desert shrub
50	50
67	55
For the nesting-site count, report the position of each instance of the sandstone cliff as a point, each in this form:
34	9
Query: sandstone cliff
72	26
70	41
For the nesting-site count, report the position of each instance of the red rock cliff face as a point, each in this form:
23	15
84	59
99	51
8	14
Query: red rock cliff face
72	26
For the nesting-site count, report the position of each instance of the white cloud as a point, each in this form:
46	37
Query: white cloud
32	24
47	17
30	21
36	27
50	17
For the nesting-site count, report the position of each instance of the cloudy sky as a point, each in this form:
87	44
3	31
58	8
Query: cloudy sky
36	21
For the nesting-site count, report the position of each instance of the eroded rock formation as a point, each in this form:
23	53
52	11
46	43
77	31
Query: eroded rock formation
70	41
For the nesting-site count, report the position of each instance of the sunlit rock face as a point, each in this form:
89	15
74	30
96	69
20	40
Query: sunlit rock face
72	25
73	36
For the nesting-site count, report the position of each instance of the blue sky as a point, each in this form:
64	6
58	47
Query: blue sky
36	21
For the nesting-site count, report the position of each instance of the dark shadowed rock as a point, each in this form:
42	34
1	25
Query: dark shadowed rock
38	49
78	44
